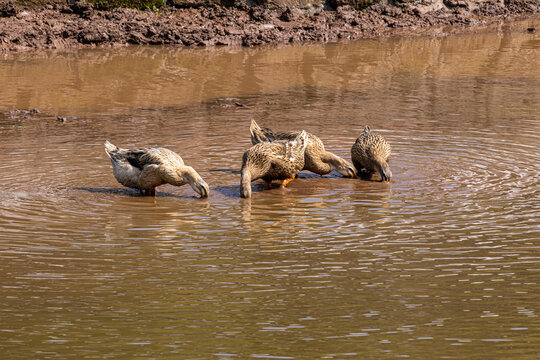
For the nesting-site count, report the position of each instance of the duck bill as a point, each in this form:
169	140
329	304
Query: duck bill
352	171
201	188
384	172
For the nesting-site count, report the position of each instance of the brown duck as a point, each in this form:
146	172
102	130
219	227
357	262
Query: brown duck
372	153
277	160
317	159
147	168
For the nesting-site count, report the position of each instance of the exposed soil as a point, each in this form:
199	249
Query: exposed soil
80	25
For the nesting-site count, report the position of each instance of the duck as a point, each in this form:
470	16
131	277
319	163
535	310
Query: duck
317	159
371	152
146	168
276	160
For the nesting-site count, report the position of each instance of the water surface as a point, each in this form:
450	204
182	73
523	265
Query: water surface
443	262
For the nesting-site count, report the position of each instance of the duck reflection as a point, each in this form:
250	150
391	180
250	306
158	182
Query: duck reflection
315	207
155	218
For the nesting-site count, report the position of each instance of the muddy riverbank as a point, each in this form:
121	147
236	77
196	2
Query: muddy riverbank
58	26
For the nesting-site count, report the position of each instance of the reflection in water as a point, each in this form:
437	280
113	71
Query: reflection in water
440	261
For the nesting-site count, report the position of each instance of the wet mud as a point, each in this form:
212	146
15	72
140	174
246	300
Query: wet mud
80	25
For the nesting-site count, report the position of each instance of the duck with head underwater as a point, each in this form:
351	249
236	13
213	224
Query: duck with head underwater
371	152
317	159
147	168
276	160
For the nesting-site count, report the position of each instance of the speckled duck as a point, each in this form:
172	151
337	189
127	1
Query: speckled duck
317	159
371	152
277	160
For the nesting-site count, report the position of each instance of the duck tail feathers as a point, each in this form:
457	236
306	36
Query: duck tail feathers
257	134
110	149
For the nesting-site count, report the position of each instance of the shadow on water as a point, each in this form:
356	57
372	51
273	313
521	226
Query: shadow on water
231	191
302	175
367	176
226	171
131	192
310	175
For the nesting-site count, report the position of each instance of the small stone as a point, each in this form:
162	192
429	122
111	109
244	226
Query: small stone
8	9
23	14
288	15
82	8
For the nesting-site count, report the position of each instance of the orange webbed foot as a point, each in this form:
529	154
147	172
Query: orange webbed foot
285	182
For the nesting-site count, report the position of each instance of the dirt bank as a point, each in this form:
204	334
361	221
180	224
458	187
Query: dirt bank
79	24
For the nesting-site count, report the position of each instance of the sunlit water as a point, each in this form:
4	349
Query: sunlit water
443	262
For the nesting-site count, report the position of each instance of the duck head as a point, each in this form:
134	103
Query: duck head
191	177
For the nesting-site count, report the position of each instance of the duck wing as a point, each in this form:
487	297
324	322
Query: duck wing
133	156
160	156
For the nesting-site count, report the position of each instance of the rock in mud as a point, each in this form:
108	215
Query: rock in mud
82	8
8	9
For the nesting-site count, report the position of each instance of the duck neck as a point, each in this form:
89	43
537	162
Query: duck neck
329	162
245	182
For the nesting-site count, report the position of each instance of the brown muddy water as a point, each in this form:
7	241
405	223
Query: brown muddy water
443	262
